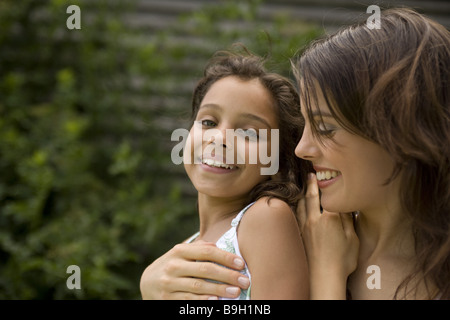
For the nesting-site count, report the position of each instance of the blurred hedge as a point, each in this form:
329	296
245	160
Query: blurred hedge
85	123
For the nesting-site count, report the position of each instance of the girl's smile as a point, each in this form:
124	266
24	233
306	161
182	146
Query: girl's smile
217	165
241	107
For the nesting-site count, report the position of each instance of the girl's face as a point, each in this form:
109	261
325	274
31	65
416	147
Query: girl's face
230	104
351	171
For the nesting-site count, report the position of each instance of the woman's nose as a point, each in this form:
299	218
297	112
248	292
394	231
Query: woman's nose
307	146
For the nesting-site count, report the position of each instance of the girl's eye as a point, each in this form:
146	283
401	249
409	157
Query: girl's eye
251	133
208	123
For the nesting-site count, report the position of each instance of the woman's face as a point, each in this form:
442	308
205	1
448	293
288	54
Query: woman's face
230	104
351	171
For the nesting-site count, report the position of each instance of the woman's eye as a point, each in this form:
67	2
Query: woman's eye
325	129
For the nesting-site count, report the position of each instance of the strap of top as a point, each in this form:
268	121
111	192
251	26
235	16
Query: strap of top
235	221
193	237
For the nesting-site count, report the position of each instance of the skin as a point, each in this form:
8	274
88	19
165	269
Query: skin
383	234
229	104
338	253
327	277
268	234
177	275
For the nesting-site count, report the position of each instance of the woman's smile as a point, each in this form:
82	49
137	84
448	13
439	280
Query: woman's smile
326	176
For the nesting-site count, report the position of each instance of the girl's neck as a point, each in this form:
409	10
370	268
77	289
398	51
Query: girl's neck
216	214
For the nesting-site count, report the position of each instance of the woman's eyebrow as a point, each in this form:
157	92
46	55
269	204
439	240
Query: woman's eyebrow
322	114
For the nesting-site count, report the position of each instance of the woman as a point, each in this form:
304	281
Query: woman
377	112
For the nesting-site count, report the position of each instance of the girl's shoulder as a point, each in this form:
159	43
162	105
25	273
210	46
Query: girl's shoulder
270	206
269	241
268	212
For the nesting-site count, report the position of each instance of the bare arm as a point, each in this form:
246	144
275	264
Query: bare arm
180	274
270	242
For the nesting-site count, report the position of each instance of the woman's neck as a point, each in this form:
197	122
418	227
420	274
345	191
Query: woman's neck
384	232
216	214
384	229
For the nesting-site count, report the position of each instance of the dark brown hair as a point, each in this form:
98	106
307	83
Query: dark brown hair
391	86
291	177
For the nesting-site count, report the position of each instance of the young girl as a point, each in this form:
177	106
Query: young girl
377	110
241	210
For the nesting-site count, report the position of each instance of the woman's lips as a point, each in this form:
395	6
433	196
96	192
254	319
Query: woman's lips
326	176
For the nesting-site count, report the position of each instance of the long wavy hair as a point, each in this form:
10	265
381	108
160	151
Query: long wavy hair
291	177
392	86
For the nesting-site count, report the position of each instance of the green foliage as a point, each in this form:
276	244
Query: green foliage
85	123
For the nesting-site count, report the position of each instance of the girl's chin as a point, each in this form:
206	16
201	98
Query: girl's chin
213	191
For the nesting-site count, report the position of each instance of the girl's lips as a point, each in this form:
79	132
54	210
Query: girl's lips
218	170
216	165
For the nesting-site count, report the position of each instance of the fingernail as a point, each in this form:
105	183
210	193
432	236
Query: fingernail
311	176
238	263
232	291
243	281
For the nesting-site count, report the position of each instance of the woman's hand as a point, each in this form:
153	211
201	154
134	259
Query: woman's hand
331	245
180	274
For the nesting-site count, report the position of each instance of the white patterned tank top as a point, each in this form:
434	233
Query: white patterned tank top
229	242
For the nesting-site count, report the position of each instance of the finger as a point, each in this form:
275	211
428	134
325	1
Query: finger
205	288
212	271
347	224
204	251
189	296
334	217
312	197
301	213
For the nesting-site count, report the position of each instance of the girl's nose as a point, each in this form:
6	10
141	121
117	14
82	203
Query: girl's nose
217	136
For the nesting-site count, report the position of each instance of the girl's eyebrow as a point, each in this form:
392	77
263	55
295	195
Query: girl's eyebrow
255	117
210	105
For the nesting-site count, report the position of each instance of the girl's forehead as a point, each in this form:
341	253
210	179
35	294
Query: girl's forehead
241	96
